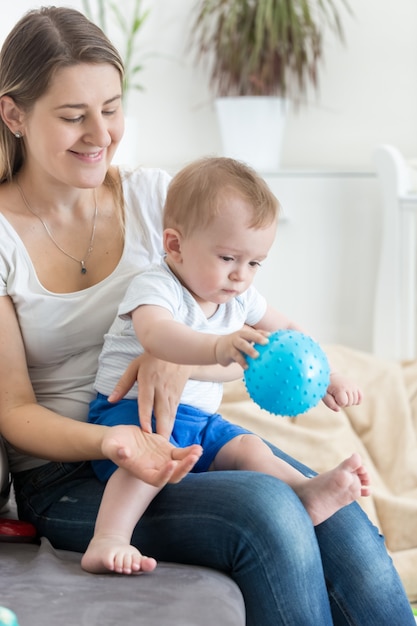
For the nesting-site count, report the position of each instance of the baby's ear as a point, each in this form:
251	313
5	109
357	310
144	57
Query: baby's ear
172	243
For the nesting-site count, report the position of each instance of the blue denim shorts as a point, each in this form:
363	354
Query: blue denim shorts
210	430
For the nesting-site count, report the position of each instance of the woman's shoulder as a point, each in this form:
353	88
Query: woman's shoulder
8	210
9	238
144	191
144	178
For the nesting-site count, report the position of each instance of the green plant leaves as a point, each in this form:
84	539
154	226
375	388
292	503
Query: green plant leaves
129	26
263	47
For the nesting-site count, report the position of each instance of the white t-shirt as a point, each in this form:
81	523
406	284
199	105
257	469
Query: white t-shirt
63	333
157	285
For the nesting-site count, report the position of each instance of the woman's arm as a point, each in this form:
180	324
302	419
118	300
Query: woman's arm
39	432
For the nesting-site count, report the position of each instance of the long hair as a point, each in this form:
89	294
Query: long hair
42	42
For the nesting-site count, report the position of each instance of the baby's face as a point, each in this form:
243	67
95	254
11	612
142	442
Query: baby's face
219	261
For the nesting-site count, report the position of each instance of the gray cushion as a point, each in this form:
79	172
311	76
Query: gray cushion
46	586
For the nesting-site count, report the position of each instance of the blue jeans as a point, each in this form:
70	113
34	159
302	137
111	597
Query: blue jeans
249	525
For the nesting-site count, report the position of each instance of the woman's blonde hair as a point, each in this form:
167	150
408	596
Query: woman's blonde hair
42	42
197	193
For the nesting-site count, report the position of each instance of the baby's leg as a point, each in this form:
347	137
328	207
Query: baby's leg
125	499
321	495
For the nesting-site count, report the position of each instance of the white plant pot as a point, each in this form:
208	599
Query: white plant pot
252	129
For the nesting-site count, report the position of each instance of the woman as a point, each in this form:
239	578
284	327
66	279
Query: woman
72	232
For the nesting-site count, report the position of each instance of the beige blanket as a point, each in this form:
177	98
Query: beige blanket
383	429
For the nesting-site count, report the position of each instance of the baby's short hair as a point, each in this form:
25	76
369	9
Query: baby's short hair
196	194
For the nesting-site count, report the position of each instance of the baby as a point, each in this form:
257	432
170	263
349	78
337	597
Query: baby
199	307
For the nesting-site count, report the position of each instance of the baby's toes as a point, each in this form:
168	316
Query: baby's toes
136	562
148	564
122	565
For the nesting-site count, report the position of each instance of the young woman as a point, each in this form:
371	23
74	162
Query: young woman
73	231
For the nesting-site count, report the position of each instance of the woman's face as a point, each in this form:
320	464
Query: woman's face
73	130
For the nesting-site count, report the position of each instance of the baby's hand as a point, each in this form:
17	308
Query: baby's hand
232	348
341	392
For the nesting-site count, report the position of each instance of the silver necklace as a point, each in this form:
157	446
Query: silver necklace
52	238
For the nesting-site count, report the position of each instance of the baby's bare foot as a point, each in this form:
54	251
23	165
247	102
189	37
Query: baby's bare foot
326	493
111	554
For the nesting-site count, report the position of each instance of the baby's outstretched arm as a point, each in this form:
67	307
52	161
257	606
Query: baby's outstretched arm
173	341
342	392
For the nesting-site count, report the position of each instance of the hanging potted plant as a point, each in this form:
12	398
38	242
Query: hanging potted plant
106	13
260	54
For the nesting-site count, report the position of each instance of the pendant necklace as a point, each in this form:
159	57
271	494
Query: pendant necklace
52	238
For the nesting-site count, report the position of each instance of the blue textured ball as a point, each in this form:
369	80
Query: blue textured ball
7	617
290	376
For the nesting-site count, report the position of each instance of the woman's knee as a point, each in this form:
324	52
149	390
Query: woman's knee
349	542
266	511
237	505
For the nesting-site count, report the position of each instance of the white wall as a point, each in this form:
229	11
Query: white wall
368	95
368	91
368	88
322	267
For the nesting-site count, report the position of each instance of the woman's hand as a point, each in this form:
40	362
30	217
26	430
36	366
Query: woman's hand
150	457
160	388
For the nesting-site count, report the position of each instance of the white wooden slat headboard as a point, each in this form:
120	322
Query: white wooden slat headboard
395	317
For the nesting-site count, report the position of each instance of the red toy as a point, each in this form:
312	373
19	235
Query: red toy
16	530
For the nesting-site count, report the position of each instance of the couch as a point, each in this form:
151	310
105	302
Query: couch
383	429
47	586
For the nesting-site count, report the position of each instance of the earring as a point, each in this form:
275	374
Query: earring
18	134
